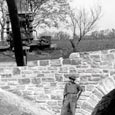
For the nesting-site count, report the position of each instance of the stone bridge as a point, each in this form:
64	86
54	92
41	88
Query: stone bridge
40	84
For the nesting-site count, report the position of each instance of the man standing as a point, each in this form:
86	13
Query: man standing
72	93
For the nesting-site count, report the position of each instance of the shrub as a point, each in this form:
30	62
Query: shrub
61	35
46	33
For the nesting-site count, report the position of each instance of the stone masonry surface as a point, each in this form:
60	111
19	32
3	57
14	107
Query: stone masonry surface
42	82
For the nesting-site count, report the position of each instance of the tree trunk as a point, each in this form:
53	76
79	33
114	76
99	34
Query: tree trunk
2	34
73	45
16	32
73	41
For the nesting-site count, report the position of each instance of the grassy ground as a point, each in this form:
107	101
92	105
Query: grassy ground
88	45
64	48
95	45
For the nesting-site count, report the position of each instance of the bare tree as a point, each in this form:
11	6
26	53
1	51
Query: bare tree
48	12
3	11
52	12
83	22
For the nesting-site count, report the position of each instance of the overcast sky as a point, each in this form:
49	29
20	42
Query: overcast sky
107	20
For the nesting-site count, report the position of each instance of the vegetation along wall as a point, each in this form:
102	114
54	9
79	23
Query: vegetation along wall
41	83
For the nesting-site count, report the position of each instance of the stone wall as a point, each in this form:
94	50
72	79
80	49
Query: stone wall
42	82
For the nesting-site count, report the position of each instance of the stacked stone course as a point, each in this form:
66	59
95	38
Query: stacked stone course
42	82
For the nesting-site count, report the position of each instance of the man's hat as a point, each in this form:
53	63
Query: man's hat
73	77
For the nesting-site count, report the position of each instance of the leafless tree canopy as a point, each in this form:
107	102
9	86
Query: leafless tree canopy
48	12
84	21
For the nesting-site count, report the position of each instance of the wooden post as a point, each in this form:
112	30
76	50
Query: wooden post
16	32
